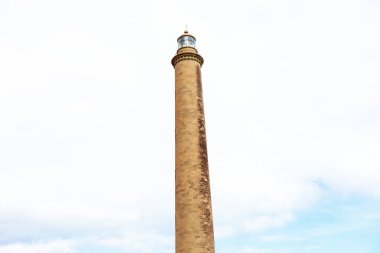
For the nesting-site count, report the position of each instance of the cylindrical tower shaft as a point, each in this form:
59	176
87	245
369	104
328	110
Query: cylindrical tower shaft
193	220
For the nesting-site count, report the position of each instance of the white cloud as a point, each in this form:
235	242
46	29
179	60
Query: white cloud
262	223
57	246
254	250
147	241
281	238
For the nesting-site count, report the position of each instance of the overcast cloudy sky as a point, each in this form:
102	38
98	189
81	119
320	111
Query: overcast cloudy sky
292	102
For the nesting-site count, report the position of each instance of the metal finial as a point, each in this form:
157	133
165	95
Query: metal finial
186	31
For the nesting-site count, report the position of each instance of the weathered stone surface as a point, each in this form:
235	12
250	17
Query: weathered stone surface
194	226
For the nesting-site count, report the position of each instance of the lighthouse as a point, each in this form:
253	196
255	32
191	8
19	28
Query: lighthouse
194	231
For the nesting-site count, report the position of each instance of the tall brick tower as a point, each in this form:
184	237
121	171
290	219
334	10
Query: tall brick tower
193	215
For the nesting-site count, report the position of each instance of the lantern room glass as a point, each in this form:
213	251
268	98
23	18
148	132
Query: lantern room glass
186	41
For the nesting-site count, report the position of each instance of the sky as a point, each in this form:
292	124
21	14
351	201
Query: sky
292	103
